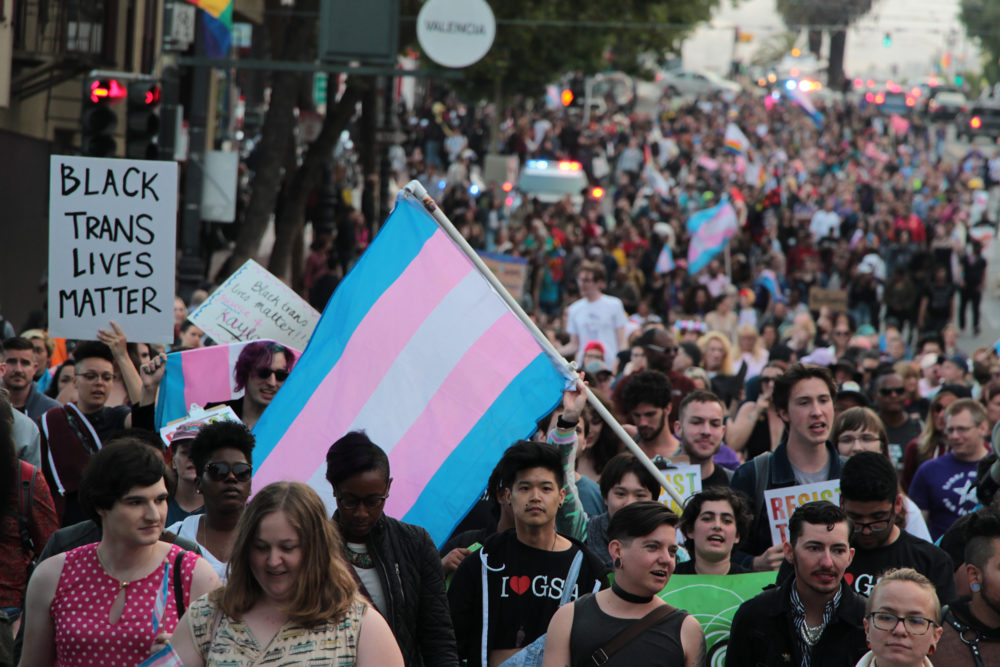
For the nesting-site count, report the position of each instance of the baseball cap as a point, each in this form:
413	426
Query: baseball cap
594	345
960	361
596	368
853	389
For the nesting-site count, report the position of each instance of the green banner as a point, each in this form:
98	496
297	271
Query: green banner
713	600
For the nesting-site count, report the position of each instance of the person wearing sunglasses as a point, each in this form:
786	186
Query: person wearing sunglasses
902	621
260	371
890	404
222	453
396	564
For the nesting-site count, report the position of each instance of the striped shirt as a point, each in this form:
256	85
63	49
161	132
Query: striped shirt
805	639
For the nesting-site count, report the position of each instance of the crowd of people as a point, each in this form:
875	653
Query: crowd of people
822	345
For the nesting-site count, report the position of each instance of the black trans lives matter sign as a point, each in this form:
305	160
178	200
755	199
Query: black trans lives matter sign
112	245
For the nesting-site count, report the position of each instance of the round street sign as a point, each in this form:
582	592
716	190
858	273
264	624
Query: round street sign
456	33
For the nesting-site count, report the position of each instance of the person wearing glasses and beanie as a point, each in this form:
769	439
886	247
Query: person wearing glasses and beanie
395	564
902	621
222	454
260	371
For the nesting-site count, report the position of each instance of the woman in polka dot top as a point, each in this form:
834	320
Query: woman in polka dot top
112	602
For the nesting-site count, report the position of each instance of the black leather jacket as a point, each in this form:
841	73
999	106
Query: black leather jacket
409	568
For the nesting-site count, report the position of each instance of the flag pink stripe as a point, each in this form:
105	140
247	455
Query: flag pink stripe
393	320
485	370
206	375
716	239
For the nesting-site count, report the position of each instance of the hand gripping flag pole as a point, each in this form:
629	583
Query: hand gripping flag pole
415	189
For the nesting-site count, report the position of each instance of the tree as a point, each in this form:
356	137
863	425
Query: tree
833	16
981	19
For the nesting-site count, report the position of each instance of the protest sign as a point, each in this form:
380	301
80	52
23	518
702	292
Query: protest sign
713	600
112	247
252	305
512	271
686	480
780	503
834	299
221	413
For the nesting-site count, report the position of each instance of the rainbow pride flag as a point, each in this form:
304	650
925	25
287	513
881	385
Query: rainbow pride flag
217	26
417	349
710	231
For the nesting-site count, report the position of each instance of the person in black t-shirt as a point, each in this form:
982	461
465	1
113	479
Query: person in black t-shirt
701	425
713	522
972	284
869	494
937	307
529	571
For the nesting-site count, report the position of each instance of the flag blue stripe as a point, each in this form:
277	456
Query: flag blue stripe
391	252
170	404
701	217
535	392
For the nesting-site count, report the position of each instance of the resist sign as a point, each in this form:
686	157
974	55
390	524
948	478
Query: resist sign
112	241
780	503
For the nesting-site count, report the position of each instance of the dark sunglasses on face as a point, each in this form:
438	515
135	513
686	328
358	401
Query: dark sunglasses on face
898	391
280	374
218	471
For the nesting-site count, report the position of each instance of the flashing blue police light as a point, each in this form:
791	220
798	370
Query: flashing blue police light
791	84
474	190
538	164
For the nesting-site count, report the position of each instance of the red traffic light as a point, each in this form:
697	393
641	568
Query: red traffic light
106	90
152	97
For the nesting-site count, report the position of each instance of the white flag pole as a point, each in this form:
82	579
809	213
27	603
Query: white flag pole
416	190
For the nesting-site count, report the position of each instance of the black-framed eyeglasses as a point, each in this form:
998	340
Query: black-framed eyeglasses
888	391
353	502
879	526
218	471
915	625
280	374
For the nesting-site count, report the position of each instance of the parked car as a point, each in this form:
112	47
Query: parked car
688	82
946	105
982	120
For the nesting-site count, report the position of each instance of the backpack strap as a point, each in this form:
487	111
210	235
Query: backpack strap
179	583
968	636
762	474
25	497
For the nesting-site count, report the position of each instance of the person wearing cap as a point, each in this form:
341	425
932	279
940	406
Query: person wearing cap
954	370
593	351
602	375
850	395
185	500
930	375
595	316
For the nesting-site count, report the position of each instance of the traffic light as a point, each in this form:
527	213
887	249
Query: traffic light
98	119
959	80
143	121
887	40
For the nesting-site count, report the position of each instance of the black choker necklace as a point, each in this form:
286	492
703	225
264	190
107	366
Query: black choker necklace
629	597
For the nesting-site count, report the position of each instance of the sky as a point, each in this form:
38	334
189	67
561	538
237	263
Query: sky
920	30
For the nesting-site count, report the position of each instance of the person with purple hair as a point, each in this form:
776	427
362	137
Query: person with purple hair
260	371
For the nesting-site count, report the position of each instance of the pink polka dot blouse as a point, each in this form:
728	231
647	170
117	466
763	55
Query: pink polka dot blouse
82	606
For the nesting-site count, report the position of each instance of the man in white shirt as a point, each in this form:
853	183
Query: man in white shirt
596	316
825	223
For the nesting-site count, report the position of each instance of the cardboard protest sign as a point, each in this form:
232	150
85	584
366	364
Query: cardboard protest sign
252	305
834	299
112	247
713	600
511	271
222	413
780	503
686	480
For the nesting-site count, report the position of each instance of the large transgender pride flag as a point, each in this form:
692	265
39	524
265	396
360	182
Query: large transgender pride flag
710	231
416	348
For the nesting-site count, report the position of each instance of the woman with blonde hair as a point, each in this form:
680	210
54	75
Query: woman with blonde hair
931	443
751	349
717	354
902	621
289	595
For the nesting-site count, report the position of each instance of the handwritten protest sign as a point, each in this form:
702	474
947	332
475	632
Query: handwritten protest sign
686	480
222	413
713	600
780	503
112	246
252	305
511	271
834	299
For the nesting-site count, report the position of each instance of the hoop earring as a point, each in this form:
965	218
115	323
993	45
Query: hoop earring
618	563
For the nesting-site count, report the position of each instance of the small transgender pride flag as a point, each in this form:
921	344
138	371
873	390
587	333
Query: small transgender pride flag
203	375
665	262
802	99
417	349
165	657
710	231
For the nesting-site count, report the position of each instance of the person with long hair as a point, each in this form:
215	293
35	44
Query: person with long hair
990	398
902	621
717	351
751	349
289	595
931	443
104	602
601	442
61	388
27	517
222	454
757	427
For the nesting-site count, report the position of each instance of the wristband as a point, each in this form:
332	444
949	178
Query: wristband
564	425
